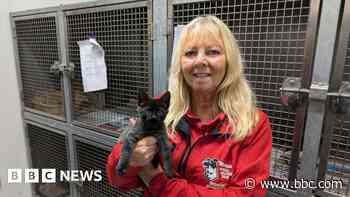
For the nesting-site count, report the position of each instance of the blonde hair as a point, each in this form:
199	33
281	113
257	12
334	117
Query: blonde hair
235	97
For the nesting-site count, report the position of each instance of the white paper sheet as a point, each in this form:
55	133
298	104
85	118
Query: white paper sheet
177	32
93	66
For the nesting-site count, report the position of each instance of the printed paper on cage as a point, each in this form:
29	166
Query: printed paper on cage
93	66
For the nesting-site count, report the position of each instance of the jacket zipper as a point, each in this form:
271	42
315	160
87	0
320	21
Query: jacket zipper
185	157
182	160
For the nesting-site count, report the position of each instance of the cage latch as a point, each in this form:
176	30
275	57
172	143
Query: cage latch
57	67
340	100
292	95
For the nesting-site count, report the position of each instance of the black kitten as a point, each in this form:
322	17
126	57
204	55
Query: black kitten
151	123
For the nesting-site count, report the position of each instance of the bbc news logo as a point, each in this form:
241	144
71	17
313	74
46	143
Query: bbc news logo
49	175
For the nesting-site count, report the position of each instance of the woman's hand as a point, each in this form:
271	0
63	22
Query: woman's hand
144	151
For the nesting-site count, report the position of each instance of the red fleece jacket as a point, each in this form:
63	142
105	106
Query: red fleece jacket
206	162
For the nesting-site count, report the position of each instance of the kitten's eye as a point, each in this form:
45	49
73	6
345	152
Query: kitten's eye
159	113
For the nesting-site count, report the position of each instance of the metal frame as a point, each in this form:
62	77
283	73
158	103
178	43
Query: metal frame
310	42
72	129
28	152
151	63
50	128
75	165
320	80
301	110
69	7
61	21
336	78
54	123
37	15
33	14
20	88
96	4
88	8
91	142
160	44
72	134
160	18
34	11
103	146
172	2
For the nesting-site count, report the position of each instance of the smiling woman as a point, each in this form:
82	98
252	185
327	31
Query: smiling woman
207	45
203	62
220	139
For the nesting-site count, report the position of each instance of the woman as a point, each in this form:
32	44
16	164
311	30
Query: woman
222	143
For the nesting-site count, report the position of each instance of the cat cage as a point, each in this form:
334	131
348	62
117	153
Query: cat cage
92	156
124	32
48	61
335	146
48	151
274	37
123	29
277	40
37	50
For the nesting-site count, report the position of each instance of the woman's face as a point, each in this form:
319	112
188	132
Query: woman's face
203	64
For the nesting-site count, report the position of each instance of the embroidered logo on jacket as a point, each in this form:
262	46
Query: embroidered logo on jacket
210	169
217	173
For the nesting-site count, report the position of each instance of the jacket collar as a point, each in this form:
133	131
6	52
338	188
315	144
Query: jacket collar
183	126
185	123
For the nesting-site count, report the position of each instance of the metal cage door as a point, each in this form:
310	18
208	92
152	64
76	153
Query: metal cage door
335	142
37	57
92	156
124	31
276	39
48	150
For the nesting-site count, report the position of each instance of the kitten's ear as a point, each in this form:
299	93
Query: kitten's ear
165	98
143	98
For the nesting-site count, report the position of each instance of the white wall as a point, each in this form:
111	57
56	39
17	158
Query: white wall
13	153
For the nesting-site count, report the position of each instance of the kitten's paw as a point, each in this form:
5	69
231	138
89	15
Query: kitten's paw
121	169
169	174
121	172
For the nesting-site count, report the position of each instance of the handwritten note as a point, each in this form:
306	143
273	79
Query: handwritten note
93	66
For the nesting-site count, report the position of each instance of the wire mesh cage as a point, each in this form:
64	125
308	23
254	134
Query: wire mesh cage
92	157
271	35
48	151
338	161
124	33
37	51
338	164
